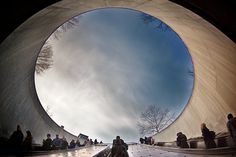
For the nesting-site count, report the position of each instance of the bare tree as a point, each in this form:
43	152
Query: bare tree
44	60
65	27
154	119
148	19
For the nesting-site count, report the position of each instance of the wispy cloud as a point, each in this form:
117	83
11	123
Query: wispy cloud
108	69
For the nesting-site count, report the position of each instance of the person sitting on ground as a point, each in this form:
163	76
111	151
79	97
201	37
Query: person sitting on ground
231	125
208	136
16	139
27	143
56	142
47	144
72	144
181	140
119	148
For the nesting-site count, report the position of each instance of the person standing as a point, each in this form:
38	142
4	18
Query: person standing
231	125
16	139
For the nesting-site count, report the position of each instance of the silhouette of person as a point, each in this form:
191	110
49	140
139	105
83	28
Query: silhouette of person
72	144
16	139
141	140
47	144
145	140
118	139
27	143
56	142
181	140
231	125
119	148
64	143
95	142
208	136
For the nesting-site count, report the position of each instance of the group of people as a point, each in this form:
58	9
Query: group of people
119	148
147	140
209	136
91	142
61	143
57	143
18	142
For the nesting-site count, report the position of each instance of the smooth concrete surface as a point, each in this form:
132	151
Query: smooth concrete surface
145	151
213	54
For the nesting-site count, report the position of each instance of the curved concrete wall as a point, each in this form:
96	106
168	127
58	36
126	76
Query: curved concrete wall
213	54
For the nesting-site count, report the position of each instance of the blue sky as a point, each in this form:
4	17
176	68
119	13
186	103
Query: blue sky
109	68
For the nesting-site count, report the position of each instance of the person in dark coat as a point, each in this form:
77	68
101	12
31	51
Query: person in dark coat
231	125
141	140
208	136
119	148
182	140
16	139
47	144
72	144
64	143
145	140
118	139
27	143
95	142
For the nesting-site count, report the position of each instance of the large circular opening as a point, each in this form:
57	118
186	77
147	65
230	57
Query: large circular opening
103	72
